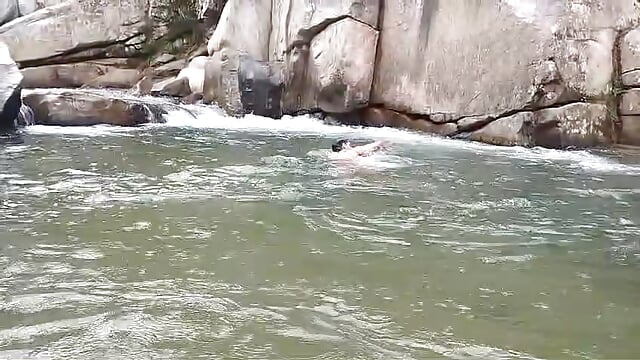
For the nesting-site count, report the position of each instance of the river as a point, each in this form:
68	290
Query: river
212	237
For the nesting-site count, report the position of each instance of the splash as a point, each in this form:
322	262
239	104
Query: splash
210	117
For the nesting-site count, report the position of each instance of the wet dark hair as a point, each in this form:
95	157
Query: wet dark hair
337	147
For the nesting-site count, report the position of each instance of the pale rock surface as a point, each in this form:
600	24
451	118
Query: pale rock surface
337	71
73	26
97	74
484	59
300	20
194	73
10	82
245	27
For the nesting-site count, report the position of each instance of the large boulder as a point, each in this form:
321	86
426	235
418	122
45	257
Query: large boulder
245	27
327	49
487	59
97	74
334	72
577	125
295	21
86	108
194	73
10	80
261	85
512	130
75	30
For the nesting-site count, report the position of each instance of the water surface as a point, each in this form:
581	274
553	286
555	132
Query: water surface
212	237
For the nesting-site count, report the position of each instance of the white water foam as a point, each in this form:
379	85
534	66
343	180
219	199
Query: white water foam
308	125
91	131
209	117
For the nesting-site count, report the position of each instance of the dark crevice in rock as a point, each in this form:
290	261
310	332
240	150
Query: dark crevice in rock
378	54
628	71
305	36
509	113
86	52
617	86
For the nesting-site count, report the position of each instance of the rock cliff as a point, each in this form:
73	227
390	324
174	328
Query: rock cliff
10	81
553	73
514	72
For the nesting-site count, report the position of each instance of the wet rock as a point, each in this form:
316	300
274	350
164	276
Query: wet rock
10	88
261	85
25	116
575	125
85	108
93	74
514	130
193	98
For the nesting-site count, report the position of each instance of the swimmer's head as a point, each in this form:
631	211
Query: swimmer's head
340	145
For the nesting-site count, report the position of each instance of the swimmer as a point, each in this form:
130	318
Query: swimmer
344	147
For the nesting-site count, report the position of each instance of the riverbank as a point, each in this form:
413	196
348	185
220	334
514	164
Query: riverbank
527	73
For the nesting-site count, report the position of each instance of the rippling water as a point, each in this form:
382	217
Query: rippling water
212	237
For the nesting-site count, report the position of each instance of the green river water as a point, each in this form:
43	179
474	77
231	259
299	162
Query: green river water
218	238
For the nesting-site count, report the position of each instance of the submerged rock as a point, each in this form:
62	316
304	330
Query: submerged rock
84	108
10	81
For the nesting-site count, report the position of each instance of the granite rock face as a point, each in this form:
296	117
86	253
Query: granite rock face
10	88
522	64
511	72
76	30
84	108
